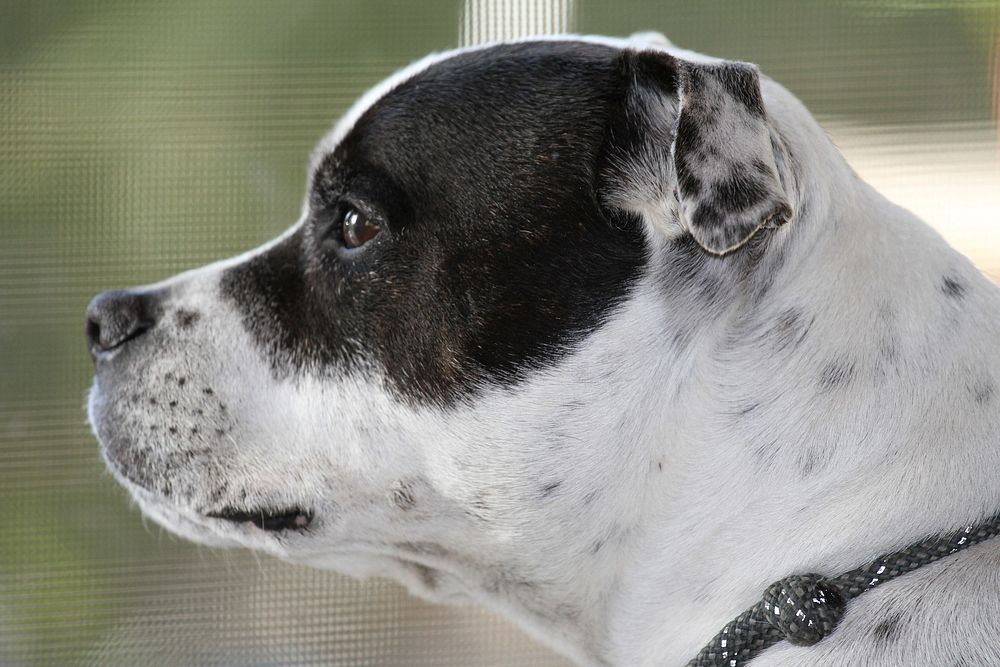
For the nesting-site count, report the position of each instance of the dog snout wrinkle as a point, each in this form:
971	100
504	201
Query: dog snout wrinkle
118	316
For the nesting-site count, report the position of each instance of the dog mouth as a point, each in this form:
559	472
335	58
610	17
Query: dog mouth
293	518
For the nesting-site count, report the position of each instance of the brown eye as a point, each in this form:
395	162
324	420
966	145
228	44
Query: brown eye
357	229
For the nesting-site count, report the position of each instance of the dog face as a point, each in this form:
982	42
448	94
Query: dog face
444	370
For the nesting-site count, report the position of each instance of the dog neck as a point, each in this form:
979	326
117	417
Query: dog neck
813	424
797	418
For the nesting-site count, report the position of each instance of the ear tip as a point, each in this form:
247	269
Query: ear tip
649	64
723	239
741	68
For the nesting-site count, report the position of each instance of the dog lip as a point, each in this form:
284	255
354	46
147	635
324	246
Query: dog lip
293	518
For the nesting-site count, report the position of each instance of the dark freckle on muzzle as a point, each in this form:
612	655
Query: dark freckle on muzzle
187	318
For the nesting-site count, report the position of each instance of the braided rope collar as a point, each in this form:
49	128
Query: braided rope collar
805	608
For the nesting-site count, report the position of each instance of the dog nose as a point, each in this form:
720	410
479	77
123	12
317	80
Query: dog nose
116	317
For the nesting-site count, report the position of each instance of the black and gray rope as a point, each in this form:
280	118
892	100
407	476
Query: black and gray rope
806	608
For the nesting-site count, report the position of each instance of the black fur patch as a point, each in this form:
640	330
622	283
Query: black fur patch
836	373
742	189
984	391
743	84
887	631
428	577
953	287
687	150
187	318
640	80
403	496
790	329
495	256
811	459
549	489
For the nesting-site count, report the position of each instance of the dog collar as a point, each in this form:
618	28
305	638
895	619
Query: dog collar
805	608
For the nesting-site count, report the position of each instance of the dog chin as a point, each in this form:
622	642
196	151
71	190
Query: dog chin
432	584
211	530
180	522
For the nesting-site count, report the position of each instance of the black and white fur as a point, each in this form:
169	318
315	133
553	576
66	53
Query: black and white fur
634	342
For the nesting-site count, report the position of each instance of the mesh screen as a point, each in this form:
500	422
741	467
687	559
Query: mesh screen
140	139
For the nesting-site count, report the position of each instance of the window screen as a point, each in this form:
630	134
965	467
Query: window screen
140	139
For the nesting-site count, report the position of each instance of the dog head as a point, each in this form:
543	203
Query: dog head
445	370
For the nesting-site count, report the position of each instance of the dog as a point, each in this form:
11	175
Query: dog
599	333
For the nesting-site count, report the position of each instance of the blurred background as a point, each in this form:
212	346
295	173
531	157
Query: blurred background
138	139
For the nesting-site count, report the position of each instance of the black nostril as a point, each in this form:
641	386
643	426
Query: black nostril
116	317
93	332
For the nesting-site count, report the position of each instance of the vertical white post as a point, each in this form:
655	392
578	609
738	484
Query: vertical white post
498	20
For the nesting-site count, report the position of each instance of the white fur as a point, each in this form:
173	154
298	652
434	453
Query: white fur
673	512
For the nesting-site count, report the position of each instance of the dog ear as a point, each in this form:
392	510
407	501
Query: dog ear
690	147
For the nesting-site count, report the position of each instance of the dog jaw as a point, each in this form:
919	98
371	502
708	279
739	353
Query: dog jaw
431	496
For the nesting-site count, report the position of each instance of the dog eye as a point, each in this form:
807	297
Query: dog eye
357	229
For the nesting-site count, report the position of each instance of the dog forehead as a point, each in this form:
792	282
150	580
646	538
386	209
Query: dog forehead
505	133
517	74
